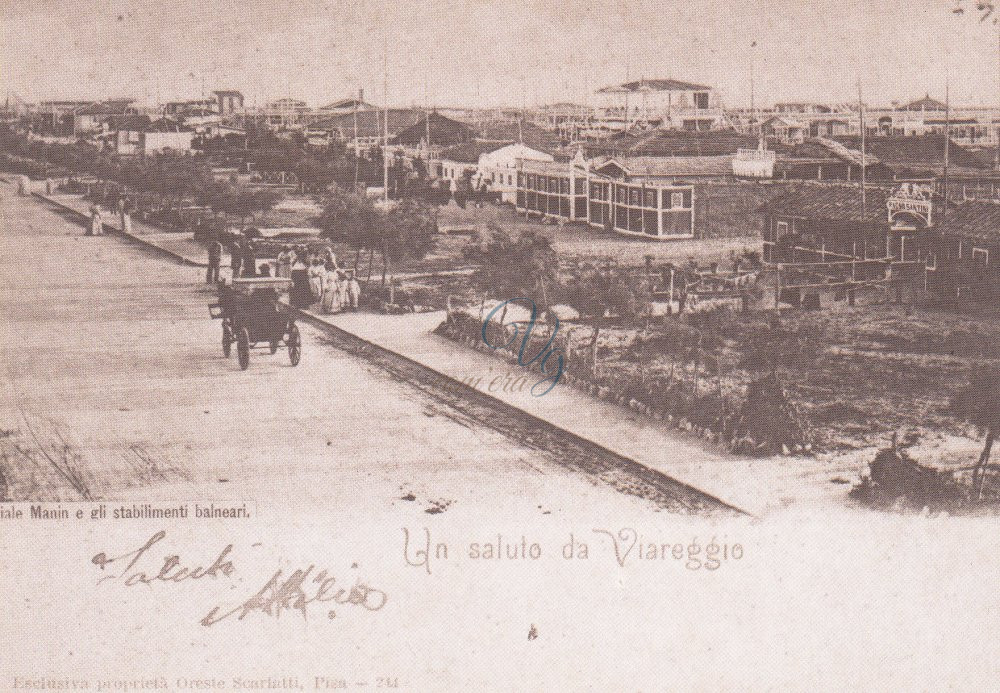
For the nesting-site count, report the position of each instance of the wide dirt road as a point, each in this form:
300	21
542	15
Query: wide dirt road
115	388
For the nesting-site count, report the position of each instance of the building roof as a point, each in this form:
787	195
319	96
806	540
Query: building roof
919	153
830	202
370	123
675	143
347	103
506	132
672	166
443	131
144	124
979	219
924	104
783	120
654	85
116	107
469	152
821	147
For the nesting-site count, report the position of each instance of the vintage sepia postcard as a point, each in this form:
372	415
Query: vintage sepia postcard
499	346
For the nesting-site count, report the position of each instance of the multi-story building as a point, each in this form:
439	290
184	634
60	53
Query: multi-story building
574	192
667	103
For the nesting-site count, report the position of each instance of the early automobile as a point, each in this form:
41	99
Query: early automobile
251	314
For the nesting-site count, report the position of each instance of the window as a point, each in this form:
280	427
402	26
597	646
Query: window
650	200
981	256
931	262
701	100
782	229
676	199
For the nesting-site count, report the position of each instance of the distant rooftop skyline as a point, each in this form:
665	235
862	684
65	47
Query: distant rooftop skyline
477	54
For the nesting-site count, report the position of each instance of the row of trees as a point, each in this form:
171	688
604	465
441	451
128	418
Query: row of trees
169	180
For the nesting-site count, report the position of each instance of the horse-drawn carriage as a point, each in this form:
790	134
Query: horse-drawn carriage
251	314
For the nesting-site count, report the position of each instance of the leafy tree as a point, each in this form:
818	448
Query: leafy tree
350	218
408	232
514	265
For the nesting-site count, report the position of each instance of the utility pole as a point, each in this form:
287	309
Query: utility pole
385	117
861	121
947	137
753	109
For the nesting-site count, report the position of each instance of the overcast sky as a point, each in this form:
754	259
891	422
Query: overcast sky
487	52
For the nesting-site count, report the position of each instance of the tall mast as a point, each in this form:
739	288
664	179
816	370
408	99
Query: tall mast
861	121
753	109
947	137
357	152
385	117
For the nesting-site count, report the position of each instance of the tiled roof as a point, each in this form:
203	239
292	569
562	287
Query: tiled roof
829	202
107	108
655	85
919	152
444	131
347	103
925	104
532	135
675	143
663	166
971	219
469	152
371	123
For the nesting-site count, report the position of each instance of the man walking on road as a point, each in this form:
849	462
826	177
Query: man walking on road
214	260
236	257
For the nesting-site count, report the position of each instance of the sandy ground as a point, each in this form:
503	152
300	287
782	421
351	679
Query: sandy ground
116	349
113	351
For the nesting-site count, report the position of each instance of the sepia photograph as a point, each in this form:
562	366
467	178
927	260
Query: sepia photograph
474	346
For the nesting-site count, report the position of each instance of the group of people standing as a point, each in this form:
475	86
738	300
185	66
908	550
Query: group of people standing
242	257
125	208
316	278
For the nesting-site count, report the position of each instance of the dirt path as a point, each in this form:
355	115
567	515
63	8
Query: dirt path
116	389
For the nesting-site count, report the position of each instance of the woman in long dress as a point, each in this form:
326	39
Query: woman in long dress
330	289
301	294
342	285
284	264
316	274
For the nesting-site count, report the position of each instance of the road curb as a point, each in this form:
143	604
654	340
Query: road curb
470	391
111	230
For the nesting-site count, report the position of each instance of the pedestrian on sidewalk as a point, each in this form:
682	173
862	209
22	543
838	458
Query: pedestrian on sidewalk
96	223
249	259
236	257
283	268
126	208
301	293
214	261
317	274
329	303
353	290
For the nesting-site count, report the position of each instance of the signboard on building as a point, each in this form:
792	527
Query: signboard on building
912	200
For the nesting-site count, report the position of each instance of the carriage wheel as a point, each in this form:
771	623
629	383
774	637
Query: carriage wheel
227	339
294	342
243	348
